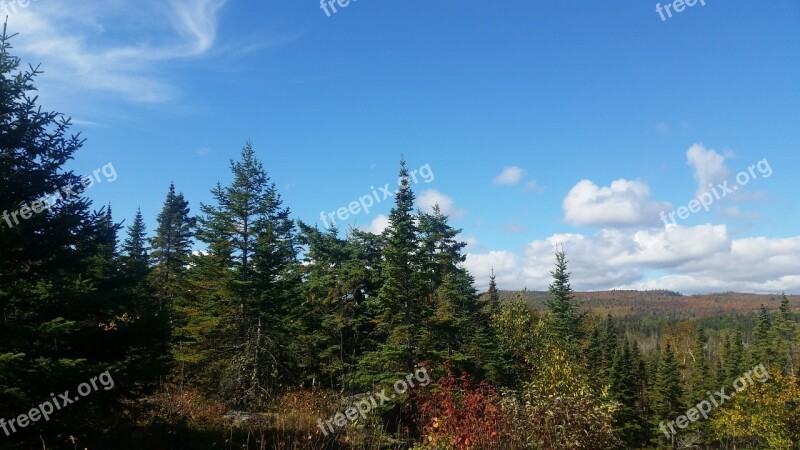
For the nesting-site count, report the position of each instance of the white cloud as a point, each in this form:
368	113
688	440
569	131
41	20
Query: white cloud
532	186
696	259
505	267
708	166
509	176
378	224
624	203
471	241
428	198
115	47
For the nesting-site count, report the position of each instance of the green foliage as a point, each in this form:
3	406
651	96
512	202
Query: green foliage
243	288
565	318
667	390
68	311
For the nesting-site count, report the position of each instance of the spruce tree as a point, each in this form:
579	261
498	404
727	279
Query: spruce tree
398	308
337	283
565	317
253	257
64	318
171	246
134	249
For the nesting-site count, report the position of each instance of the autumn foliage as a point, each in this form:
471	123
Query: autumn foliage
459	414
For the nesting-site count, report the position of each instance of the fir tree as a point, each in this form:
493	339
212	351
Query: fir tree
565	318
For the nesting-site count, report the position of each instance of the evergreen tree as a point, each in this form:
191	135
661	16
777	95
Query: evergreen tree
64	318
667	391
627	419
763	352
565	318
134	248
698	383
398	308
172	246
459	327
338	280
593	356
492	296
609	350
250	233
785	338
738	362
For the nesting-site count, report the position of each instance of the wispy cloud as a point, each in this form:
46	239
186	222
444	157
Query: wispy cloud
114	48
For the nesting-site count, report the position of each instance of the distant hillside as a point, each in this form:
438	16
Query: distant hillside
662	303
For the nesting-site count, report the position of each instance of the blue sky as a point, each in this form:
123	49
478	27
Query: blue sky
545	123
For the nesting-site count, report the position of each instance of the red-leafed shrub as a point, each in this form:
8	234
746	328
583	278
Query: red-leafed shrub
457	415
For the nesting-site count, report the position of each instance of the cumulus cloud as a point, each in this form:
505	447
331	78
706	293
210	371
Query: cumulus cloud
428	198
378	224
509	176
696	259
625	203
505	267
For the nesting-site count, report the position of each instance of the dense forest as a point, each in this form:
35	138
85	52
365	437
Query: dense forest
239	327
